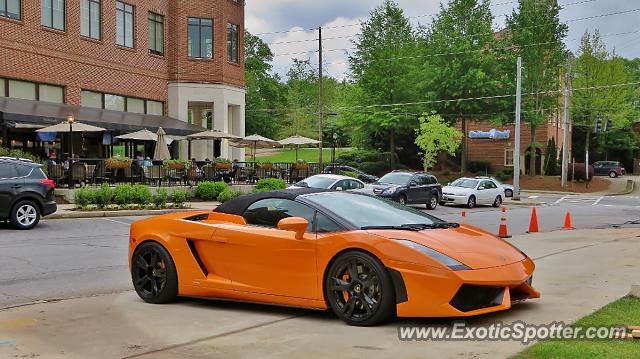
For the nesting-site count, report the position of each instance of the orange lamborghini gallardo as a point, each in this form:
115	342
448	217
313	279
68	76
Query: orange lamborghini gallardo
366	258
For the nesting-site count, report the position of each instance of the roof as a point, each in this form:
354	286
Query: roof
333	176
240	204
25	161
28	112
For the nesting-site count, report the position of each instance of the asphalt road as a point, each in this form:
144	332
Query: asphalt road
81	257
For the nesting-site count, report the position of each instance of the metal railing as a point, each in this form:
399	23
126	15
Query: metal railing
88	171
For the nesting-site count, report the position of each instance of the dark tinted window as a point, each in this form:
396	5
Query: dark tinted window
433	180
7	170
325	225
355	184
268	212
23	170
37	174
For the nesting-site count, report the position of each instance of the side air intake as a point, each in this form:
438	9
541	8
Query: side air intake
196	256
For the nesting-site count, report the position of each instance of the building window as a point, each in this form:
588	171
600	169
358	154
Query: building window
23	90
508	157
90	19
124	24
10	9
91	99
135	105
3	88
155	108
51	93
209	116
156	34
52	14
233	42
114	102
200	44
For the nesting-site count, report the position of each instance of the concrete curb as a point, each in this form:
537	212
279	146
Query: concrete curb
524	204
126	213
631	187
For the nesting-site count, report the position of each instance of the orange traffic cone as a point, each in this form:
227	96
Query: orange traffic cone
503	232
533	224
567	221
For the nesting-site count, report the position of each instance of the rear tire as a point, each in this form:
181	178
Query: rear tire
613	174
403	199
508	193
497	202
359	290
25	215
153	273
432	203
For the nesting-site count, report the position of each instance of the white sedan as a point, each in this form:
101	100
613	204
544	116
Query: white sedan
508	189
329	181
471	192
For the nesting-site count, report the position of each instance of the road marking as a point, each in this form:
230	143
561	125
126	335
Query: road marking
113	220
560	200
597	201
533	197
16	323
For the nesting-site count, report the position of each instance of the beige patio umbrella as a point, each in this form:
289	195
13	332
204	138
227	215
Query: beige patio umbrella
161	152
211	135
255	142
71	126
298	141
143	135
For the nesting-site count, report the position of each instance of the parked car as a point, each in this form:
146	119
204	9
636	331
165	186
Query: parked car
508	189
409	188
471	192
338	169
327	181
612	169
26	193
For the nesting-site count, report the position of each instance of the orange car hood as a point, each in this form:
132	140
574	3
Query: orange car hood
468	245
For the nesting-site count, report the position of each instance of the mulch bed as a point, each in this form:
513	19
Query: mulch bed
545	183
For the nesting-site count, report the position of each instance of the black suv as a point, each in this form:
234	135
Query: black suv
409	188
339	169
25	192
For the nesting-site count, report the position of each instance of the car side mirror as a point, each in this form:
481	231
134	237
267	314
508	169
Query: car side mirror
413	184
294	224
480	188
338	188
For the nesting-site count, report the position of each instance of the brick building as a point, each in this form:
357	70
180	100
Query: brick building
495	143
123	65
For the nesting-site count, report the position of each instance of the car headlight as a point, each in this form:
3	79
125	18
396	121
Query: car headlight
389	190
442	258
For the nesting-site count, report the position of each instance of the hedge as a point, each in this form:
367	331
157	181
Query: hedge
269	184
126	195
209	191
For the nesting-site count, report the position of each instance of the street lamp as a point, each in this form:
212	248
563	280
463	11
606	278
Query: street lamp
333	154
70	120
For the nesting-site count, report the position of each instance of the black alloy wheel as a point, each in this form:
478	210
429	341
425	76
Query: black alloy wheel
359	289
403	199
154	274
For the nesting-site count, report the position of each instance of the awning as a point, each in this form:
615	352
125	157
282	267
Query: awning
46	113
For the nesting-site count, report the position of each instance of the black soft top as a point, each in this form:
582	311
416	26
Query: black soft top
239	205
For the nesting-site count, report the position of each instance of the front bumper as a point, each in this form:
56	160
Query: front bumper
455	199
49	208
435	292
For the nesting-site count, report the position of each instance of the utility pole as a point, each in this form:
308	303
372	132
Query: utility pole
516	151
565	134
320	97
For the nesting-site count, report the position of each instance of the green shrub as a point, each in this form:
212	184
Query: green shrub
103	197
270	184
141	195
446	173
228	195
350	174
123	195
160	199
503	176
209	191
83	197
479	167
375	168
179	197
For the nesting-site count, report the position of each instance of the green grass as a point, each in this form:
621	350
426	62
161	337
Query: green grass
620	312
289	155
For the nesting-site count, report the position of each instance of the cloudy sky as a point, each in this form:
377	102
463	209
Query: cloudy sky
285	24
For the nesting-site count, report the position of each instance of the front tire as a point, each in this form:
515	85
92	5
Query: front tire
154	274
359	290
25	215
471	202
613	174
403	199
497	202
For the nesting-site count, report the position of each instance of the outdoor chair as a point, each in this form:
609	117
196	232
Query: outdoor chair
91	172
153	174
100	173
174	176
209	173
79	173
129	175
56	173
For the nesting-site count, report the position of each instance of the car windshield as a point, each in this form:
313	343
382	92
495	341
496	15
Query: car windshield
364	211
395	178
316	182
464	183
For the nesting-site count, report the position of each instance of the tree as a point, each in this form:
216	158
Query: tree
381	65
597	94
264	92
458	63
535	33
435	135
551	161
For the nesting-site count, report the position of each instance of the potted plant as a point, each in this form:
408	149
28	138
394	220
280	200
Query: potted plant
118	163
300	165
222	164
268	166
176	164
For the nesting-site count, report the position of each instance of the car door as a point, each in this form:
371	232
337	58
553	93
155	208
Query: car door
341	185
9	187
260	258
493	191
424	186
485	193
599	168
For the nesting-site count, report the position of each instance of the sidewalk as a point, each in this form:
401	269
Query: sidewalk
577	273
66	211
